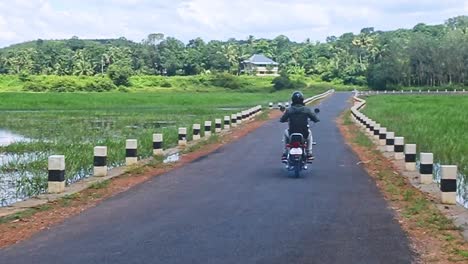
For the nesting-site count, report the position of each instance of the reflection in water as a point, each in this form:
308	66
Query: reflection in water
7	138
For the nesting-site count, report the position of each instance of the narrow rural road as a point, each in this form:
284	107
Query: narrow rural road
237	206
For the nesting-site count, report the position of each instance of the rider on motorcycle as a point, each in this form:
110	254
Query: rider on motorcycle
298	116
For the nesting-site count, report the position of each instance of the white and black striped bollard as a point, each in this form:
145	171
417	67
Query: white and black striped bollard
382	136
131	146
280	105
448	184
100	161
226	123
158	144
182	136
218	125
196	130
426	167
244	116
286	104
390	142
399	148
207	129
377	131
234	120
270	105
239	118
410	157
56	178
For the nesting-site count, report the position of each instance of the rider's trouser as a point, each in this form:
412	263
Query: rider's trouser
286	141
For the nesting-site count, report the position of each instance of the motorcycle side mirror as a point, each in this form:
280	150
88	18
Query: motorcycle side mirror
316	110
282	108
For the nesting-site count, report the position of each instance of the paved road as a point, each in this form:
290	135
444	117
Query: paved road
237	206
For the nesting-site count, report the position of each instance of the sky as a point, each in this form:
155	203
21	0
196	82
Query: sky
24	20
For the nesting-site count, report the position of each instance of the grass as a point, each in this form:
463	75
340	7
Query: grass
24	214
99	185
437	124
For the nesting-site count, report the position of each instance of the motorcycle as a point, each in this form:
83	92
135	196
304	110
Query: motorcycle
297	156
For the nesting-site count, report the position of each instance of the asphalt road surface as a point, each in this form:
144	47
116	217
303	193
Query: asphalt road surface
237	205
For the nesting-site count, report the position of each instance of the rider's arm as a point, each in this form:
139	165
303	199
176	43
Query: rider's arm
285	116
312	116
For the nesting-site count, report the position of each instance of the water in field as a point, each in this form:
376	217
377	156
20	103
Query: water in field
7	138
462	185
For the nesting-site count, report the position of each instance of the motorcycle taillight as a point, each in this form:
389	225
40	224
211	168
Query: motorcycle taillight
296	144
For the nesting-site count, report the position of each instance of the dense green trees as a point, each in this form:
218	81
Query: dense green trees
422	56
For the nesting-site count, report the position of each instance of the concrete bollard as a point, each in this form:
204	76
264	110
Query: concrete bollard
377	131
56	178
382	136
448	184
426	167
370	131
158	144
226	123
410	157
399	148
196	129
270	105
390	142
218	125
286	104
131	146
239	118
207	129
234	120
244	116
182	136
100	161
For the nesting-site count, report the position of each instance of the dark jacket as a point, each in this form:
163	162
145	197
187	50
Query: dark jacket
298	117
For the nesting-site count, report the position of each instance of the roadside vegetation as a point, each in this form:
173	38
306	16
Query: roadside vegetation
155	83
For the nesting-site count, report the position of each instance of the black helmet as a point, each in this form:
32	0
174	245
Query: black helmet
297	98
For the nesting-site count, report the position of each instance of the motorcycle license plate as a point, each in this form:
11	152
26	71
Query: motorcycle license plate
295	151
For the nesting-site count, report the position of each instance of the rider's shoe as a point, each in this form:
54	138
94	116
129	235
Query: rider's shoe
284	158
310	157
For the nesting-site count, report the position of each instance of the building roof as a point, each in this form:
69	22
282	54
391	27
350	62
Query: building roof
260	59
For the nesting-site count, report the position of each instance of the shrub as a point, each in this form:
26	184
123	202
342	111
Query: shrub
226	80
120	73
285	82
34	87
101	85
64	85
166	84
24	77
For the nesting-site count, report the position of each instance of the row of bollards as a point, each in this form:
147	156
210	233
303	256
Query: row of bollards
56	163
437	91
408	153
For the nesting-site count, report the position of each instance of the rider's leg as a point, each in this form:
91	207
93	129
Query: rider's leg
285	142
310	142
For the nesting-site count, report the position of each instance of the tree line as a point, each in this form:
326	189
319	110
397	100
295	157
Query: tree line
426	55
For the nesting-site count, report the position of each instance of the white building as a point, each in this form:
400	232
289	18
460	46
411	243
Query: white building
260	65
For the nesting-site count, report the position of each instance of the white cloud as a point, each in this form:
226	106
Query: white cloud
22	20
